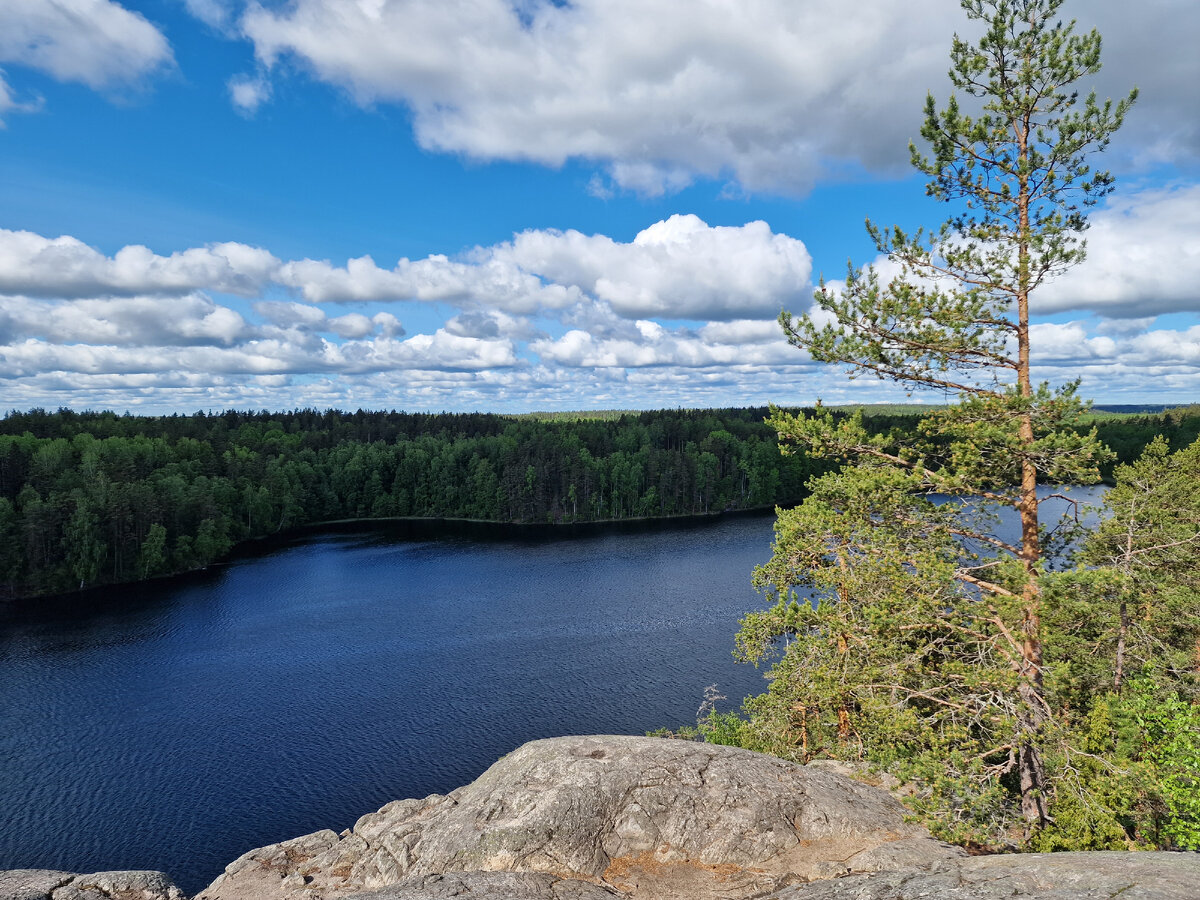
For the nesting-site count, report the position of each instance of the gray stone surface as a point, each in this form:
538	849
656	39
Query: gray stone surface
31	884
628	818
493	886
1032	876
646	816
45	884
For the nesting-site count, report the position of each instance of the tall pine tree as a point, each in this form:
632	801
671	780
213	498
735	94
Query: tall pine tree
928	634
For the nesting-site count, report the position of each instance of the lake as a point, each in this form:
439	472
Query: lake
176	725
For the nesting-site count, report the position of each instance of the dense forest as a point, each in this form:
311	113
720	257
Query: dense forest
96	498
101	498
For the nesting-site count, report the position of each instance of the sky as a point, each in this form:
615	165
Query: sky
520	205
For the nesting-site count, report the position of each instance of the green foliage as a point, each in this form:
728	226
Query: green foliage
881	654
1169	732
153	554
904	630
97	498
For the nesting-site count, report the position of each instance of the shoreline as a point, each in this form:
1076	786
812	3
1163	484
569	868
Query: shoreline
417	528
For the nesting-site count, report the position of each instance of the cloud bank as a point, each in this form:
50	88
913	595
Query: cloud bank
682	314
773	94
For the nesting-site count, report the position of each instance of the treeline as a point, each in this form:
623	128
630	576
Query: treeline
100	498
1128	435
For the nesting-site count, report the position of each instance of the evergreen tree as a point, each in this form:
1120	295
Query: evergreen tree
929	629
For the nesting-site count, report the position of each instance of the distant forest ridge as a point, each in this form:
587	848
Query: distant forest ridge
100	498
892	409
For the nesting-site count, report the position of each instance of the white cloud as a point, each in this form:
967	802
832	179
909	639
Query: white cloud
388	325
773	93
351	325
492	324
547	320
127	321
290	315
680	268
96	42
249	92
655	345
1068	342
438	351
1143	257
66	267
661	90
742	331
480	282
1164	348
216	13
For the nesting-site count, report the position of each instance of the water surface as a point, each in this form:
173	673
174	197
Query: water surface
176	725
173	726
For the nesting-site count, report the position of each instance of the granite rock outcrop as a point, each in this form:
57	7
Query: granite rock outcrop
640	816
633	818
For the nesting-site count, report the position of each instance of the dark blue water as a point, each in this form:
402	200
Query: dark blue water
174	726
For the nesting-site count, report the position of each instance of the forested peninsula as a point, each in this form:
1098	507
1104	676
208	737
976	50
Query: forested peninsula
99	498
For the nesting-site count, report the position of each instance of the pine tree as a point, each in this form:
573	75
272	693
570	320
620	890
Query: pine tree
930	631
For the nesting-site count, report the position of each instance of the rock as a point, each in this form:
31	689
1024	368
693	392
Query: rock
643	816
31	884
45	884
493	886
627	818
1031	876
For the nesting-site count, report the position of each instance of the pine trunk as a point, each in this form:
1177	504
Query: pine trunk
1032	719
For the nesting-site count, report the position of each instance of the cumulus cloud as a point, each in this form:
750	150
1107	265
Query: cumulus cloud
680	268
483	281
1068	342
131	321
66	267
682	314
284	314
661	92
492	324
351	325
96	42
1143	258
438	351
774	94
655	345
388	325
742	331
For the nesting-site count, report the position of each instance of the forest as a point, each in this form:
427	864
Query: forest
99	498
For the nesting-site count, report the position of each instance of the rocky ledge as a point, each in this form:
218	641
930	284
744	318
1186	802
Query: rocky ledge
600	818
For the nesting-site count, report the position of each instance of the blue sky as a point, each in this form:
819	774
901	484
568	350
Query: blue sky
515	205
